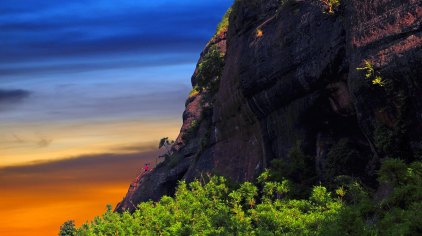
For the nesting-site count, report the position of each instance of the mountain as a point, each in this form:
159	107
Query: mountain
317	88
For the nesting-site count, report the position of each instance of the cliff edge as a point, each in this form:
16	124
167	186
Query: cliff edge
341	84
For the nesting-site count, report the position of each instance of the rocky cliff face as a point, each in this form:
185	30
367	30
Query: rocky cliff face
290	79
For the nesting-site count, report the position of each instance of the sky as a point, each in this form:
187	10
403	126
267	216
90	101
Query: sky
87	88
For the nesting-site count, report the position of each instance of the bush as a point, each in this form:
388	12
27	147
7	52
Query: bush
331	5
224	23
297	167
195	91
210	69
191	130
68	228
215	209
344	159
401	211
370	72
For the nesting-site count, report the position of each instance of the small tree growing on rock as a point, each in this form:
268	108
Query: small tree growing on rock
166	143
331	4
68	228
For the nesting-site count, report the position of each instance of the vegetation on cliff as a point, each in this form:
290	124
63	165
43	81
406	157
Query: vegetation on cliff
271	208
224	24
324	164
211	69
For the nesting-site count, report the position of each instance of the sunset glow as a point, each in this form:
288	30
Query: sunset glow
87	89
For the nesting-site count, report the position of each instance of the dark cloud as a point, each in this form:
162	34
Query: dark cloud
133	44
53	192
18	141
44	142
12	96
87	169
71	30
75	67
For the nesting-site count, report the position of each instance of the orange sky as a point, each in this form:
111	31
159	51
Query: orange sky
40	190
37	199
85	98
26	142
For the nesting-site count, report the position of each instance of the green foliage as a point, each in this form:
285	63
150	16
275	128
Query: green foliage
320	196
392	142
392	139
371	74
341	192
224	23
384	138
195	91
297	167
210	69
68	228
331	5
191	130
344	159
215	209
393	171
401	211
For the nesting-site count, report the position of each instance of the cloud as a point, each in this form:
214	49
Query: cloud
44	142
53	192
90	65
82	170
103	28
13	95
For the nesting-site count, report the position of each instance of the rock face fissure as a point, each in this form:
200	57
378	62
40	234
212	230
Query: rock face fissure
288	77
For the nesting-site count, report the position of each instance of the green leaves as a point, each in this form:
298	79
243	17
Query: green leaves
320	196
212	209
371	74
215	209
68	228
331	5
224	23
210	69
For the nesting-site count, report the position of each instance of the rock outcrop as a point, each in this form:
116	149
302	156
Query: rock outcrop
290	78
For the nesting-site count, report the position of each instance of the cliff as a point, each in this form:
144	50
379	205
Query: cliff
342	87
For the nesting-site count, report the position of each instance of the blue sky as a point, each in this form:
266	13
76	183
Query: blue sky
87	88
44	37
70	30
67	64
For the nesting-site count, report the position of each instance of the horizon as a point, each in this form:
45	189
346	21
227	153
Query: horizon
87	89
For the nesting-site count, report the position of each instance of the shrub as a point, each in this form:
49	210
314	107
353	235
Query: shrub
215	209
371	74
211	68
191	130
68	228
195	91
344	159
297	167
224	23
401	212
393	171
331	5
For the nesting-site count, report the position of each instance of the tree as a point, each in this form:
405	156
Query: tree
166	143
331	4
68	228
